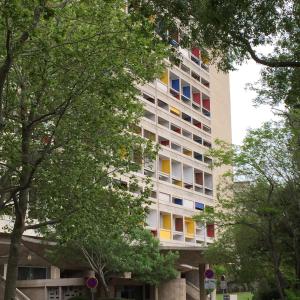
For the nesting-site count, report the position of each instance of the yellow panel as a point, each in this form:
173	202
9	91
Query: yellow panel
165	78
178	182
190	227
165	234
187	152
166	166
166	221
205	59
175	111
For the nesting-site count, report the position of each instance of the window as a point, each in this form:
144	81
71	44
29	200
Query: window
149	115
175	128
177	201
31	273
163	141
199	206
163	104
175	147
186	117
163	122
197	139
149	135
149	98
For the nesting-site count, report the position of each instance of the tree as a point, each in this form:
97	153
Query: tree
263	209
231	31
68	98
113	240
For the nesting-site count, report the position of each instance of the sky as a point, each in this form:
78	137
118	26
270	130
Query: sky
243	113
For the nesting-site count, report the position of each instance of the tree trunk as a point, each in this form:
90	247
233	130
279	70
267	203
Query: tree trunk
13	259
103	283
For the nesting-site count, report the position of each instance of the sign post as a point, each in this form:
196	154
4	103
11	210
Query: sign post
209	282
92	283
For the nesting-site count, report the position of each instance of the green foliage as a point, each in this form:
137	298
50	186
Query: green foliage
231	30
258	214
68	100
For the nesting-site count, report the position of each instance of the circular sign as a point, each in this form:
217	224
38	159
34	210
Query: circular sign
91	282
209	273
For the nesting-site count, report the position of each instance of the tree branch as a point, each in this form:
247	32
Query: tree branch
269	63
39	225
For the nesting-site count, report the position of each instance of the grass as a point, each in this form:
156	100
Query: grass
241	296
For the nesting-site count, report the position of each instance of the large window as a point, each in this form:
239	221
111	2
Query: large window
30	273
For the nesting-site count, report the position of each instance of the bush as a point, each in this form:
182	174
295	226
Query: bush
266	291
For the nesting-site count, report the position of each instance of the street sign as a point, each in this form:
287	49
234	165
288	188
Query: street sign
209	273
209	284
91	282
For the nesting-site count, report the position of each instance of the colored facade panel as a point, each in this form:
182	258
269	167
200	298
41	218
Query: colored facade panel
165	234
199	206
206	104
175	84
186	91
166	221
210	230
179	224
197	98
166	166
189	227
165	78
175	111
196	52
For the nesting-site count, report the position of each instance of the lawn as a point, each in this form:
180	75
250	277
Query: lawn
241	296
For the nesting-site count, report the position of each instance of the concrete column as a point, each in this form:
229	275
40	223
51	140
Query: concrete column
202	268
214	295
4	271
54	272
156	293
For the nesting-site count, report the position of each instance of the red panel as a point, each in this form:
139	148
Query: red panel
165	143
196	52
197	98
198	124
199	178
178	224
210	230
206	104
154	232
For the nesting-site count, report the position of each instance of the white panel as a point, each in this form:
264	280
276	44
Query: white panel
184	52
188	203
208	180
152	219
176	170
162	197
187	174
162	86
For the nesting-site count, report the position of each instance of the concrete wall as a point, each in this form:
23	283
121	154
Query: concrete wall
37	293
172	290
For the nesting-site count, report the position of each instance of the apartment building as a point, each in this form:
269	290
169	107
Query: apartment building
185	111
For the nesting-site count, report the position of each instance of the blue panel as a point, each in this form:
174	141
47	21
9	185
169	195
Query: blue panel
178	201
199	206
175	84
186	90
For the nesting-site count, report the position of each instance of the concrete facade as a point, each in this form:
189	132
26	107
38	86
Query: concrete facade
173	290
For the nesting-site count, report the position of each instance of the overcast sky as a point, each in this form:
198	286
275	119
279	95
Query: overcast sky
244	114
